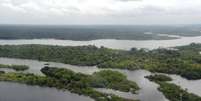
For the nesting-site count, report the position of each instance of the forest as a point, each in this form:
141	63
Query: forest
123	32
183	60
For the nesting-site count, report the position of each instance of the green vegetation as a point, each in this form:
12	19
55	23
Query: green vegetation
102	79
30	79
113	80
67	80
15	67
175	93
184	61
172	91
158	78
81	55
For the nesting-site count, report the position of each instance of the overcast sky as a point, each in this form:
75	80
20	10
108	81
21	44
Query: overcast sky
100	12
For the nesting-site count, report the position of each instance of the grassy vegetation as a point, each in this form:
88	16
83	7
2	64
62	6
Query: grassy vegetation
172	91
67	80
184	61
15	67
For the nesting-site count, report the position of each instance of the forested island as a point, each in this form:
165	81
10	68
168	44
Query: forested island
76	82
172	91
184	60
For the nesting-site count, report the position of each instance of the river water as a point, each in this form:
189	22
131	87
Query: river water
109	43
192	86
22	92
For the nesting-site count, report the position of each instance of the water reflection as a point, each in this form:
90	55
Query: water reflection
22	92
192	86
148	91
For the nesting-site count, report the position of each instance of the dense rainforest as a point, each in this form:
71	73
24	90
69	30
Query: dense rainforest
184	60
76	82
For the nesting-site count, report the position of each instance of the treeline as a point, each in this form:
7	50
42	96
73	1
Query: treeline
94	32
172	91
81	55
74	82
15	67
184	61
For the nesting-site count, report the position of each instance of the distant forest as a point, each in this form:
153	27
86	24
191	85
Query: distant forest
96	32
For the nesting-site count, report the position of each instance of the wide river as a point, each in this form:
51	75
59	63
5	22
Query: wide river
109	43
148	91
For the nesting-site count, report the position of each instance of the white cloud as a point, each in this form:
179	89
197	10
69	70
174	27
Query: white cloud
100	9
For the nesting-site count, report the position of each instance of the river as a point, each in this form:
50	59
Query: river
109	43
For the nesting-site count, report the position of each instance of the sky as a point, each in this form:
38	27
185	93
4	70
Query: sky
87	12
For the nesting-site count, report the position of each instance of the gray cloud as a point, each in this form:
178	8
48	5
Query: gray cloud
100	11
129	0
